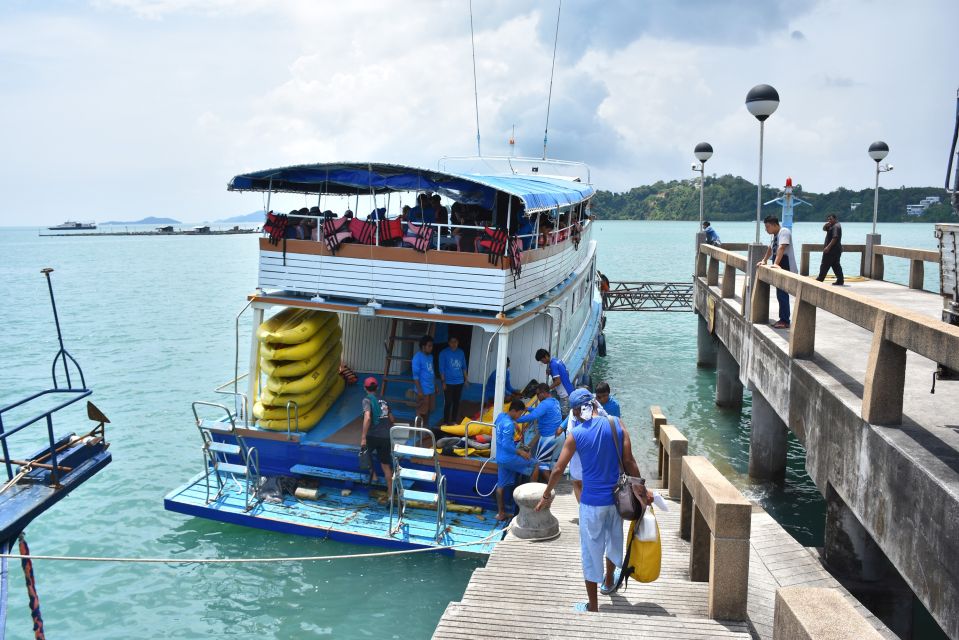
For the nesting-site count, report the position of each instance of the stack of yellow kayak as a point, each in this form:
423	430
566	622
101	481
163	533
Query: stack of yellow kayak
300	354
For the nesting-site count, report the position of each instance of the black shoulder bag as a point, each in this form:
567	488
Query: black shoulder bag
629	495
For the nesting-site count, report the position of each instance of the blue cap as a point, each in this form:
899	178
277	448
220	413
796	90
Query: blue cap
580	397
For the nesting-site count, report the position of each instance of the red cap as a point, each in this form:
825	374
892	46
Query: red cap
369	382
789	182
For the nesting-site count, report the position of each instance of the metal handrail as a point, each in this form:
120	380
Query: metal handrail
203	403
242	411
466	430
296	418
48	415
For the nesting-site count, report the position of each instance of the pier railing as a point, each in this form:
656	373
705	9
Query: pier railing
815	613
917	259
896	330
716	519
673	446
808	249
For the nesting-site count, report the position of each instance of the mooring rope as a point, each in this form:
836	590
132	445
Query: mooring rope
26	561
26	557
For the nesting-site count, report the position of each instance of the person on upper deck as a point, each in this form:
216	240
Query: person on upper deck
602	444
711	236
510	460
525	231
377	422
832	250
440	213
424	380
423	212
491	385
454	374
609	402
559	377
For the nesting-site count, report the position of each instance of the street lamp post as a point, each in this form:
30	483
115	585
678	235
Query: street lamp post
878	151
703	152
762	101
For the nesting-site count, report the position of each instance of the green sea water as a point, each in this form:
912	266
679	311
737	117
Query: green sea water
151	321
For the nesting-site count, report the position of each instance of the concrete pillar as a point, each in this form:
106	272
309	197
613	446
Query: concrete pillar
700	239
699	547
852	555
872	239
767	441
705	345
729	390
754	254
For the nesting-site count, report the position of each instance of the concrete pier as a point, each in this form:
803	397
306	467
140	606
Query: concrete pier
729	389
852	380
705	345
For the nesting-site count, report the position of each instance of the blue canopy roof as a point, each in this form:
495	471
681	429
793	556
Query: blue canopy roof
536	192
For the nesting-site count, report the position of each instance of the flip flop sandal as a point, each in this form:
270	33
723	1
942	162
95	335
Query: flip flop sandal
610	591
581	607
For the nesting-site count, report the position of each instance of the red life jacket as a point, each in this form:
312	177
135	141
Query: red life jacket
363	231
275	226
420	236
391	230
348	374
335	232
494	241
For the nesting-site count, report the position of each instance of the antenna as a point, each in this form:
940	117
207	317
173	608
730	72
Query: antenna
512	142
549	98
475	89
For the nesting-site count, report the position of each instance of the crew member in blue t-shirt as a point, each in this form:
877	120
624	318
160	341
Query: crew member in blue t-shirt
600	526
491	385
454	375
510	460
548	419
609	403
424	380
559	378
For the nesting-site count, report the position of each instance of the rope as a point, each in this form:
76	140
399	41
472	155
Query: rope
3	591
549	98
475	89
26	561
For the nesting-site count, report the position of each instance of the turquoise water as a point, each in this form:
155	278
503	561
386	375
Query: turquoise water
151	321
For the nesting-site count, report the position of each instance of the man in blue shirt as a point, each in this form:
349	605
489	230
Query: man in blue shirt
510	461
711	236
549	424
454	375
609	403
559	378
424	380
600	526
491	385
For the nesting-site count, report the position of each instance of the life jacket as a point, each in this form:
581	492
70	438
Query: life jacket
363	231
275	226
419	236
391	230
335	232
515	257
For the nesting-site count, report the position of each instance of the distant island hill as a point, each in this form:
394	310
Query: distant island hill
256	216
734	198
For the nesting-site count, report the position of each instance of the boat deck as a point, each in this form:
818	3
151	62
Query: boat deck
357	518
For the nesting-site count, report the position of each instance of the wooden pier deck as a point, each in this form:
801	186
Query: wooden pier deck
528	589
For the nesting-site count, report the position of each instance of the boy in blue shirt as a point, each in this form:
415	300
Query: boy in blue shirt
559	378
609	403
424	380
549	424
491	385
510	461
454	375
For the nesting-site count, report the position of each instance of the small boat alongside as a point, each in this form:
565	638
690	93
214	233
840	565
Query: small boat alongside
502	262
70	225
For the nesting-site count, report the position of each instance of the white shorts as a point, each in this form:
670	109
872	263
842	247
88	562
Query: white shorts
600	536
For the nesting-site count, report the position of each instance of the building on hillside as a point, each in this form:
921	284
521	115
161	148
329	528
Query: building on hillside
919	209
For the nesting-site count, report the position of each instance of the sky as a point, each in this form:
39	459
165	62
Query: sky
119	109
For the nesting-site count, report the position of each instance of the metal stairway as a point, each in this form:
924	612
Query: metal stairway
414	330
400	496
216	461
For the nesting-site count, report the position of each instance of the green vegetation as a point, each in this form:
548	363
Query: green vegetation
734	198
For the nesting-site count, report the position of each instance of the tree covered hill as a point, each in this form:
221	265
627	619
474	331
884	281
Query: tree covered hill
733	198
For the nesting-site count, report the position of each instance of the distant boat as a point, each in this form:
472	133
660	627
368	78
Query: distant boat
69	225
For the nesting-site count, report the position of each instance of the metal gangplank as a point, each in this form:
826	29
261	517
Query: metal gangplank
216	452
648	296
400	438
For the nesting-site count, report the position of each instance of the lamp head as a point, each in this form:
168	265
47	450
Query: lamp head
762	101
703	151
878	150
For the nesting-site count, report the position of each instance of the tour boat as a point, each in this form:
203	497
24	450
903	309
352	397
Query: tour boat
515	273
70	225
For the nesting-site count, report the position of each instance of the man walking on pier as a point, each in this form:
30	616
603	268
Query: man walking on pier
600	526
781	252
832	250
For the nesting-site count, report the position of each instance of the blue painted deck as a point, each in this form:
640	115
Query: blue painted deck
356	518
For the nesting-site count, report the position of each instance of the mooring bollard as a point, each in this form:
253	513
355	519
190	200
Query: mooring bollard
532	524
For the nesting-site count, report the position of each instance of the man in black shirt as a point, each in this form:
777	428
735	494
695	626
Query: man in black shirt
832	250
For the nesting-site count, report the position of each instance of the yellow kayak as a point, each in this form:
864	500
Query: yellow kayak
298	329
310	417
328	368
475	429
277	321
301	351
269	400
298	368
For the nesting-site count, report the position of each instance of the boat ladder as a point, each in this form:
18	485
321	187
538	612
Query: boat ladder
414	330
217	455
407	443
